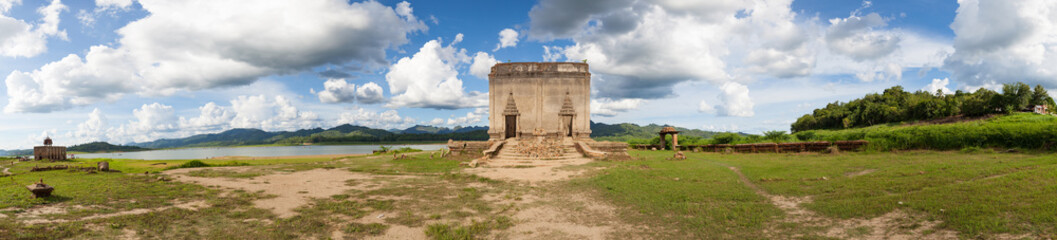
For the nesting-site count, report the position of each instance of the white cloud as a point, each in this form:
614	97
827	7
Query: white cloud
369	93
938	84
735	101
86	18
94	129
385	120
608	107
340	91
1001	41
108	4
641	49
211	118
337	90
270	115
436	122
21	39
706	108
507	38
856	37
470	118
552	53
192	45
429	79
482	65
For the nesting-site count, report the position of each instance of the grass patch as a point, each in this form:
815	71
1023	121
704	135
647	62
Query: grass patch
976	193
360	230
476	230
214	173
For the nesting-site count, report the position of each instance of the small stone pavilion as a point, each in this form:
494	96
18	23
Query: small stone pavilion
675	137
49	152
540	110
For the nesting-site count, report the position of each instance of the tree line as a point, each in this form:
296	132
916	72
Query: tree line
897	105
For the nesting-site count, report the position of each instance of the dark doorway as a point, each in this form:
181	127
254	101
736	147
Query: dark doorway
511	126
568	122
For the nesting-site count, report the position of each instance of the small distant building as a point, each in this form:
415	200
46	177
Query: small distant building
49	152
1042	109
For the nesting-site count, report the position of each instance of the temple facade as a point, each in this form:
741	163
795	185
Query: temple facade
539	99
49	152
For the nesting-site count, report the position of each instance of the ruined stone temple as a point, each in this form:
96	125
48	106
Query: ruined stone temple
540	110
49	152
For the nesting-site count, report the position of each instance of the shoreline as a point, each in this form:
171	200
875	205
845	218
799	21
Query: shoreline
331	156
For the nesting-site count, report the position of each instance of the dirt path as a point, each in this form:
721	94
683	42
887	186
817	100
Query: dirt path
532	172
897	224
292	190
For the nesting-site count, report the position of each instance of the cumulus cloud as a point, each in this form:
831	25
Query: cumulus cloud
1000	41
609	107
340	91
706	108
155	121
337	90
470	118
369	93
21	39
735	101
856	37
211	118
507	38
113	4
482	65
273	114
176	47
94	129
650	46
938	84
388	119
429	79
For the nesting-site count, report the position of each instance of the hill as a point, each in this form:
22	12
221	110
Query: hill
897	105
351	134
1017	130
94	147
343	134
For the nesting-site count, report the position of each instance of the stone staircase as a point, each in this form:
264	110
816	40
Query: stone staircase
532	153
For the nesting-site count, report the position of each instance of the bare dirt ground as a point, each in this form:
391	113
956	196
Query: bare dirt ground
292	190
532	172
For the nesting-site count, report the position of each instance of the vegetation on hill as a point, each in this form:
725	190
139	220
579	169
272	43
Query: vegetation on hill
1018	130
344	134
93	147
897	105
628	132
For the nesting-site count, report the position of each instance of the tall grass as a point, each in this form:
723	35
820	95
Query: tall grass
1021	130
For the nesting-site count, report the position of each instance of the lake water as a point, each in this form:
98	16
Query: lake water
211	152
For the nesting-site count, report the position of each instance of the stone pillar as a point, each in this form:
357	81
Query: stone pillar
663	142
675	142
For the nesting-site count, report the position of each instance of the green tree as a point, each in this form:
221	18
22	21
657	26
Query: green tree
776	136
1016	96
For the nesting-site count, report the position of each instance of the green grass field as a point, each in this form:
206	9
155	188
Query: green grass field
973	194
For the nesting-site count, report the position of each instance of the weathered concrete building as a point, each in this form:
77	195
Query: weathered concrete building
540	111
546	99
49	152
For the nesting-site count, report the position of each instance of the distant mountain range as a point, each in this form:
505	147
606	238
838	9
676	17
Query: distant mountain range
344	134
95	147
350	134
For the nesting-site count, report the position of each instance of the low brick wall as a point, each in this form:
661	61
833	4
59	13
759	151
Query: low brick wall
772	147
468	148
614	150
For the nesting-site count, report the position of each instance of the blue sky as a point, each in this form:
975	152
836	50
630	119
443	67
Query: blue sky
131	71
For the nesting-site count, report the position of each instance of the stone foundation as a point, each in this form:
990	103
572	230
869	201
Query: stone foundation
467	148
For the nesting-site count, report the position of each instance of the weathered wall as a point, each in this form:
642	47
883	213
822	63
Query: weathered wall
539	90
55	153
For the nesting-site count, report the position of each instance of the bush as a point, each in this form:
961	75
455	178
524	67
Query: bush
190	164
725	138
